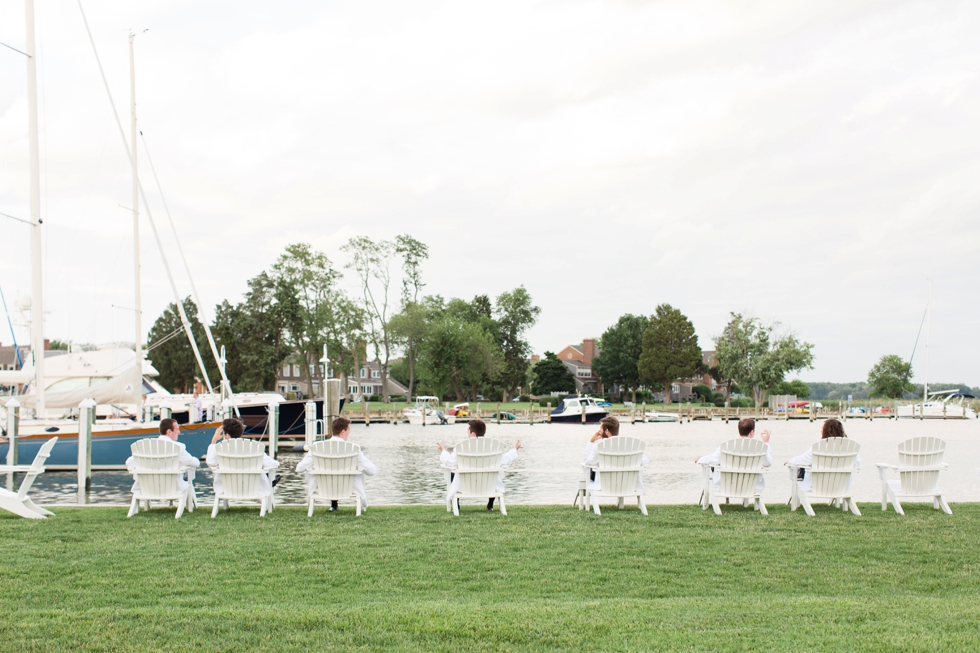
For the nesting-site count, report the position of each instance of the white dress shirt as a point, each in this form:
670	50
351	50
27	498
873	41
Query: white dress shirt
591	459
449	460
265	487
805	460
186	460
367	467
714	459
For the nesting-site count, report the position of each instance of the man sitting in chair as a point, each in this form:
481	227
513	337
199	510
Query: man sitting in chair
746	429
233	428
608	428
169	430
476	428
340	428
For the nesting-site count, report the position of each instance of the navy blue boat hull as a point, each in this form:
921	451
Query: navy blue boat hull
590	418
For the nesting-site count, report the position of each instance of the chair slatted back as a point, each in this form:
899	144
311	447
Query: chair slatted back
919	462
37	467
157	466
620	460
478	465
741	463
240	466
832	466
334	468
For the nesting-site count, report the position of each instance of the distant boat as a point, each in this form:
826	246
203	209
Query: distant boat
946	404
571	409
425	412
654	416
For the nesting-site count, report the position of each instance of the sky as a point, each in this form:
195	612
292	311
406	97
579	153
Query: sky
814	164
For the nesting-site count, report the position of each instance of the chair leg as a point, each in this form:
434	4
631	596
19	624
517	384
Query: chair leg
357	498
895	503
309	513
217	502
181	504
19	509
455	503
762	506
944	505
264	503
595	505
642	506
805	502
503	508
854	506
884	496
227	506
134	507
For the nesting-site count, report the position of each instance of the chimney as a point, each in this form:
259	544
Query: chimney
588	350
47	344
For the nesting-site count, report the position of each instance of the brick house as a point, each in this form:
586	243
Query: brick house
578	360
291	378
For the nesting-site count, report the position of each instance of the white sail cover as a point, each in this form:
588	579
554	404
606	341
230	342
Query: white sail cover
107	376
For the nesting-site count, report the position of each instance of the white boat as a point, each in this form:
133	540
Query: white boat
944	404
571	410
426	405
654	416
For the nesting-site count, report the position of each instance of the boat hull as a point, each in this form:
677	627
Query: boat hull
109	448
576	418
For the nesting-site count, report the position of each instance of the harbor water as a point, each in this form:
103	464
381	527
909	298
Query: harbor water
548	470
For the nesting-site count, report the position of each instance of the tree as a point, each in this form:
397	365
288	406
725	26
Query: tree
794	387
254	334
622	345
170	351
408	329
757	357
515	315
456	353
890	377
551	375
670	349
347	338
306	287
372	262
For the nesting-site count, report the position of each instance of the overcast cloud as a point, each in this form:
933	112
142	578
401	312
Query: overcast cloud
815	163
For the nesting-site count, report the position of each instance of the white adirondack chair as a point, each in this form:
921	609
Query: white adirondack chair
919	462
478	468
741	463
830	475
240	464
334	471
18	502
618	473
583	485
158	472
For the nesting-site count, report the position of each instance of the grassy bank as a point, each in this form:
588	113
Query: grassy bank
541	578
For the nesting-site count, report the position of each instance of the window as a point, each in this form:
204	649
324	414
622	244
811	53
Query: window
583	371
675	388
363	372
312	370
352	389
295	370
375	374
282	388
294	387
321	369
285	370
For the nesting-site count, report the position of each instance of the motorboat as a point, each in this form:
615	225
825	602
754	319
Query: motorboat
425	411
943	404
657	416
572	409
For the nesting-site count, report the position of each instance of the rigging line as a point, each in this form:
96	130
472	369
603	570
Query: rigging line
909	368
187	269
149	213
15	49
10	325
173	334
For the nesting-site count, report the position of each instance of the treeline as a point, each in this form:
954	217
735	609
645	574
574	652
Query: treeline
296	308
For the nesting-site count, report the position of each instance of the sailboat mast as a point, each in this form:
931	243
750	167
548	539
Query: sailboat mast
138	387
37	288
925	385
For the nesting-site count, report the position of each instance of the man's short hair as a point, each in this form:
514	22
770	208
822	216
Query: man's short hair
167	424
745	426
233	427
339	425
478	426
610	424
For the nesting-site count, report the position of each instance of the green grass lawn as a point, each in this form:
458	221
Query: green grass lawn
542	578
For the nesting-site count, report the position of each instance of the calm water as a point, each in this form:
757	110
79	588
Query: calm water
547	470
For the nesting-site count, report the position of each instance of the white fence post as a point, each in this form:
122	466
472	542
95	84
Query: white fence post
86	417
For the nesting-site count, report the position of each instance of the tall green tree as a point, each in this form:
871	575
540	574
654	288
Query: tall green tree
307	288
515	314
794	387
254	333
890	377
620	349
757	357
457	354
670	349
171	352
372	262
408	326
550	375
